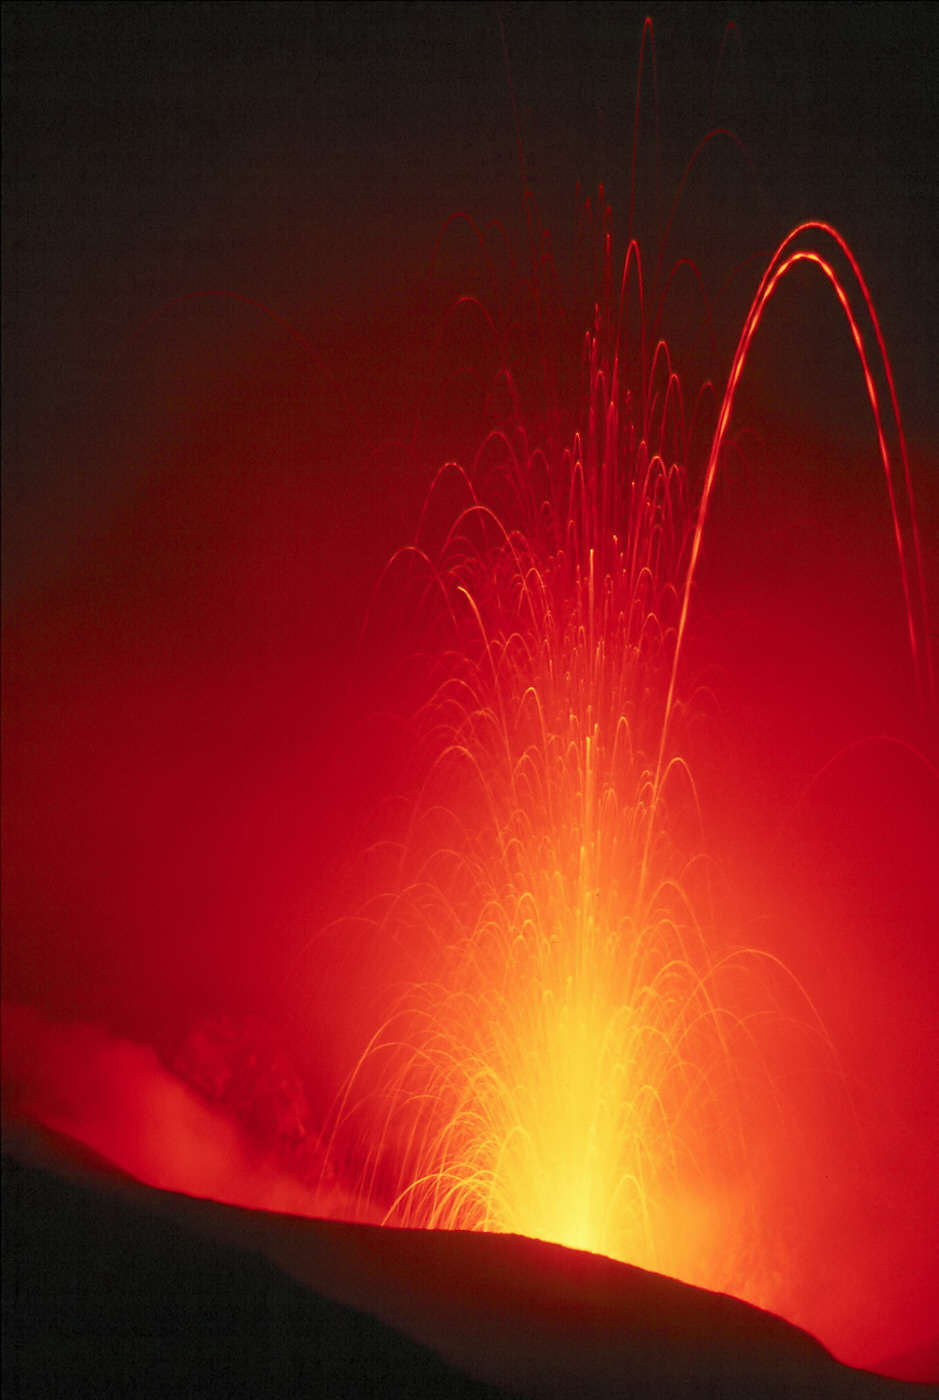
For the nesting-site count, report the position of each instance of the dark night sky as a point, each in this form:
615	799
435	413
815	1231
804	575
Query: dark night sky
306	156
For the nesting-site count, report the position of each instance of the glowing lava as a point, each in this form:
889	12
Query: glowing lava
588	1062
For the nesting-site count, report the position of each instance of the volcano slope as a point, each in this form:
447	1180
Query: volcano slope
111	1287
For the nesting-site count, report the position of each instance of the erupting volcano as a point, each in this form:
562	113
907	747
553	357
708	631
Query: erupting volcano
532	877
578	1050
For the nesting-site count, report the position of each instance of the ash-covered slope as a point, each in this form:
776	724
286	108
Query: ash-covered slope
111	1288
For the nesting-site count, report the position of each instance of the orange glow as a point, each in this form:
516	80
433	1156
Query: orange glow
589	1062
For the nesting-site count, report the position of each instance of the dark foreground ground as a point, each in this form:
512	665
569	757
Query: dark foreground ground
111	1288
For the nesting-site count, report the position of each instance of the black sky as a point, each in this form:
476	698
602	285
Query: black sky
306	156
200	498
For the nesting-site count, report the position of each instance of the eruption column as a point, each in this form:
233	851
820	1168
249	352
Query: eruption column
584	1061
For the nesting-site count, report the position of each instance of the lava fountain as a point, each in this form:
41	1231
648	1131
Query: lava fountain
586	1056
